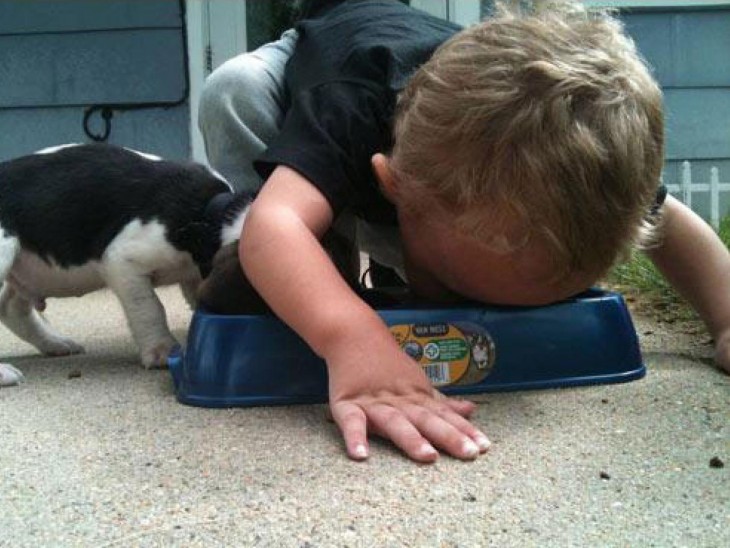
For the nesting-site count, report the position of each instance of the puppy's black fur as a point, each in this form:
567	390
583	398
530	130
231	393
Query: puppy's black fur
67	206
76	218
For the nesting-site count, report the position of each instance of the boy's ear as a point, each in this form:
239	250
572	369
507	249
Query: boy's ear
386	177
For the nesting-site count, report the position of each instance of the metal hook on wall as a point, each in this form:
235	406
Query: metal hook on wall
107	114
107	110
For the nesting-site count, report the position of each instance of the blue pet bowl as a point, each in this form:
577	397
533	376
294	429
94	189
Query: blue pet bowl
257	360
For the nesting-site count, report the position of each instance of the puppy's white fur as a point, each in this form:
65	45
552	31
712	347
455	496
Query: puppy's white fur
9	375
138	259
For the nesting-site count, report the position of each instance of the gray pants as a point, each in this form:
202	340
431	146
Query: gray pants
242	109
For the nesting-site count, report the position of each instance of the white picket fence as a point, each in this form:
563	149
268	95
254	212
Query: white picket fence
686	188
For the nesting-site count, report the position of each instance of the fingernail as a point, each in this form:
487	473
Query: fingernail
470	449
360	451
427	450
483	442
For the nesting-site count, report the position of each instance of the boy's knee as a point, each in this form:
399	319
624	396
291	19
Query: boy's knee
235	86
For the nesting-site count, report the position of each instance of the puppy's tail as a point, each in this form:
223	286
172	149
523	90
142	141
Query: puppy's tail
9	249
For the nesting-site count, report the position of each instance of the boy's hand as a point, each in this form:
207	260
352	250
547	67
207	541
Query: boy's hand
697	263
722	351
376	388
374	385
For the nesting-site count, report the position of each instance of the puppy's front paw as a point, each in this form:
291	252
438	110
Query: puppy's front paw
9	375
60	346
156	356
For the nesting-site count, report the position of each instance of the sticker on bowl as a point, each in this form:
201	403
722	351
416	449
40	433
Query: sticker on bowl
450	354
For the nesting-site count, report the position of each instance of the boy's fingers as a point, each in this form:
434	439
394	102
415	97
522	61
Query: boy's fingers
391	423
465	408
352	422
467	428
441	432
414	428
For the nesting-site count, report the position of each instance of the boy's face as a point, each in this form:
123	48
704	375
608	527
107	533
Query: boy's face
445	265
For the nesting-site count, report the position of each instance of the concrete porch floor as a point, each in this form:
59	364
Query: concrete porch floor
95	451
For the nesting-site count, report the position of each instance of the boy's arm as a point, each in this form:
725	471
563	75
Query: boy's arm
697	264
373	384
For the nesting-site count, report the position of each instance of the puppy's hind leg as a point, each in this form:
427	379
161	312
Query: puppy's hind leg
20	316
9	249
145	315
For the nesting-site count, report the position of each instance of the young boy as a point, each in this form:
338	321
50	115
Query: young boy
512	162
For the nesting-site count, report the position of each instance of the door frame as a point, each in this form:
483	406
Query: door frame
216	32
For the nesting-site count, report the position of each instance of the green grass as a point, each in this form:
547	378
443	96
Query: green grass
639	277
639	273
724	230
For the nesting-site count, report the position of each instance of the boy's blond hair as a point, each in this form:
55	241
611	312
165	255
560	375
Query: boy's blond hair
548	118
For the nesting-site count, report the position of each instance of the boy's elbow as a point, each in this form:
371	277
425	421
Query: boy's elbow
251	231
264	229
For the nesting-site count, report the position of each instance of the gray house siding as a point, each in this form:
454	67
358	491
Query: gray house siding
690	55
689	51
58	58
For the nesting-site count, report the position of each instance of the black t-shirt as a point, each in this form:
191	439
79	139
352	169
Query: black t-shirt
351	60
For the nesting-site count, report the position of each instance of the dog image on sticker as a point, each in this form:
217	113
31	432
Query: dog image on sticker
482	351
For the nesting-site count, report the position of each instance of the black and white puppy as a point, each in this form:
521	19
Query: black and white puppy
76	218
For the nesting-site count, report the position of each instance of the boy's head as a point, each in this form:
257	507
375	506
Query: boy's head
533	141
